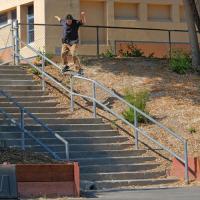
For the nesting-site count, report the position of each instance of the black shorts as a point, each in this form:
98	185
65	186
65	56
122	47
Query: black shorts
70	42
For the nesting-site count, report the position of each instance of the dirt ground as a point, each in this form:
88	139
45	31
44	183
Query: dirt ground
174	99
17	156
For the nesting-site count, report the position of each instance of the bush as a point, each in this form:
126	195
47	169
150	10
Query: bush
180	61
139	100
132	51
48	55
35	71
108	54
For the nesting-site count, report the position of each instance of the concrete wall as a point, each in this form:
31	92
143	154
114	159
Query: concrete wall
164	14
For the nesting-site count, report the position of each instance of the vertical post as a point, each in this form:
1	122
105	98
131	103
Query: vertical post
43	77
72	96
22	127
94	102
13	42
97	30
16	34
136	126
170	44
186	161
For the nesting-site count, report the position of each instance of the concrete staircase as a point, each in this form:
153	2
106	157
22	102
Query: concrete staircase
107	159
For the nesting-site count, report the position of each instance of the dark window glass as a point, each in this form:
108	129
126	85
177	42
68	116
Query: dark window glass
3	19
30	28
14	15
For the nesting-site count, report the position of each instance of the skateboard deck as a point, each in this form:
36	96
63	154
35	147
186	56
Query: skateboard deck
72	73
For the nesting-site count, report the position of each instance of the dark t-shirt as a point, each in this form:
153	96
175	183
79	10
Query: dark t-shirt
70	32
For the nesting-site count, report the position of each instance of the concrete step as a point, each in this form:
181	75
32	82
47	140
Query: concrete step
105	154
118	168
15	77
29	98
29	104
12	71
100	185
115	160
61	127
19	82
60	121
11	67
26	93
42	115
35	109
66	134
72	147
147	174
82	141
20	87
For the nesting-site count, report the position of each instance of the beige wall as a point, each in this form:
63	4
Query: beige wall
92	9
164	14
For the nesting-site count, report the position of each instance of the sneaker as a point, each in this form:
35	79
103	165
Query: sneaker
80	72
65	69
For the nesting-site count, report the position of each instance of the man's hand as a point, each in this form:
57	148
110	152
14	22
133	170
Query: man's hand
58	18
83	18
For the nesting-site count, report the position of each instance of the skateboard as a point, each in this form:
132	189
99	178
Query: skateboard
72	73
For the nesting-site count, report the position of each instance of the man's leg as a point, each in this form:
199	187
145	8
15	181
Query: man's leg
73	51
64	54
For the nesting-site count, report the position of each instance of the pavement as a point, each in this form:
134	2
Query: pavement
189	193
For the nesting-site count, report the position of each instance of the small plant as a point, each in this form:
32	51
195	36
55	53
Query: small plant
38	59
132	51
151	55
138	99
35	71
180	61
192	130
108	54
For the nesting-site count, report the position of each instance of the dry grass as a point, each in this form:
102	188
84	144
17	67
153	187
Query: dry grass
175	99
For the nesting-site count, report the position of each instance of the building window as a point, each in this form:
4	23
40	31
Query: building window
160	13
3	19
126	11
182	14
13	15
30	27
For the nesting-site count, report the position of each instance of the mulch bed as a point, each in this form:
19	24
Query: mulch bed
17	156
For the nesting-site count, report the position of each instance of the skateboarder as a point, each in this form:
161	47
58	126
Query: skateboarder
70	40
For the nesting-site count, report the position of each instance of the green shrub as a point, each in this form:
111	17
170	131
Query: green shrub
180	61
132	51
35	71
48	55
108	54
192	130
138	99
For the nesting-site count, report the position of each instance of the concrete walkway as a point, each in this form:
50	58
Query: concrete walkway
191	193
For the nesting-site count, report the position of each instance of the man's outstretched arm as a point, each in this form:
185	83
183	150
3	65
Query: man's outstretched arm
83	18
58	18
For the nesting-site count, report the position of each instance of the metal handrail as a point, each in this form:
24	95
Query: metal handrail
95	102
21	125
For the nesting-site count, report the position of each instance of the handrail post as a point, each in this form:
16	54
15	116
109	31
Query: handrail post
67	150
94	98
13	42
72	96
97	32
136	126
43	77
170	45
186	161
16	35
22	127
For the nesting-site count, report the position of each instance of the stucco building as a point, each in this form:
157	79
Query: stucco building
164	14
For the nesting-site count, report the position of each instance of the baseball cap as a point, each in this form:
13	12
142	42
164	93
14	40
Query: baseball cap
69	17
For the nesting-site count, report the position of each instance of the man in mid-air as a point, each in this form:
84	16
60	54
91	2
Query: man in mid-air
70	40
